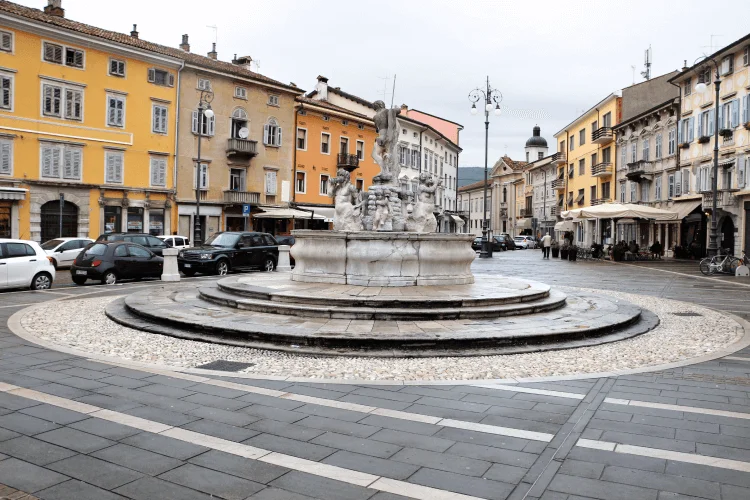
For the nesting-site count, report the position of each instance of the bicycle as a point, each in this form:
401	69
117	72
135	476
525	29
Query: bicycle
722	263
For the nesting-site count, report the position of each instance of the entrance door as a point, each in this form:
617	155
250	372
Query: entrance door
5	219
51	220
727	234
746	248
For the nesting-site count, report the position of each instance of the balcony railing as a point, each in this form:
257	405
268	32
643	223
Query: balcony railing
602	135
559	158
241	147
558	184
553	211
639	169
603	169
599	201
725	199
240	197
525	212
347	161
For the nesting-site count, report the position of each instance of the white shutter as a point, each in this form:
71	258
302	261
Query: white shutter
677	183
195	122
69	104
110	165
265	134
151	75
111	111
691	129
68	164
164	115
46	161
278	135
119	112
735	113
162	172
271	182
6	157
685	181
721	116
744	165
744	108
154	172
170	80
700	124
73	104
679	131
211	125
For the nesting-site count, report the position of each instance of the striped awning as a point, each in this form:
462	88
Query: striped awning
8	193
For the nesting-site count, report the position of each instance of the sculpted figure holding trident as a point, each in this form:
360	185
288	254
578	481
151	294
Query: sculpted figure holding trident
384	152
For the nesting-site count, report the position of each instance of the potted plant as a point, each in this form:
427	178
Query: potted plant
618	252
726	133
685	145
703	139
564	252
572	253
555	249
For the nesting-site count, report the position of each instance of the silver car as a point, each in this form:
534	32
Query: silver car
63	251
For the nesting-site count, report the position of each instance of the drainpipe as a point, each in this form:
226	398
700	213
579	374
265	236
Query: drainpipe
176	145
294	153
566	171
678	151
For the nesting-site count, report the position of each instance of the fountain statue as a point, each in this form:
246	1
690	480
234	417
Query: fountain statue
347	215
422	218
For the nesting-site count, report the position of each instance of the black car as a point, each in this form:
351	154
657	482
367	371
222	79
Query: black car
503	242
497	244
153	243
229	251
110	262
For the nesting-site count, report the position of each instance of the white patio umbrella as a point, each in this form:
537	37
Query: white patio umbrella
620	211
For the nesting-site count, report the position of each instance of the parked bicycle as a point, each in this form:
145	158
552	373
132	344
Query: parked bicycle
722	263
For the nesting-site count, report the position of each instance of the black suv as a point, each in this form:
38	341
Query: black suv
227	251
153	243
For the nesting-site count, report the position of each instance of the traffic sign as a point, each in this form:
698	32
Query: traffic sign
246	210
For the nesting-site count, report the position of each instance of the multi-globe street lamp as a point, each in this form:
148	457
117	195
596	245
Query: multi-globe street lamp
205	115
491	99
713	236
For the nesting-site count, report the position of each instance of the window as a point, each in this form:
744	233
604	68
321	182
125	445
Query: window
415	159
299	185
160	77
670	187
344	122
273	100
324	184
6	86
572	143
325	118
582	166
687	130
593	193
159	173
361	126
159	119
633	152
62	102
202	175
607	119
115	111
594	126
594	159
272	134
61	161
745	54
646	150
271	182
687	88
344	145
237	179
607	155
657	188
605	190
671	142
685	181
705	76
6	41
113	161
571	171
540	155
580	199
60	54
403	155
6	157
623	156
360	184
302	139
239	121
360	150
633	191
582	137
204	84
240	92
622	192
325	143
116	67
202	124
727	64
657	140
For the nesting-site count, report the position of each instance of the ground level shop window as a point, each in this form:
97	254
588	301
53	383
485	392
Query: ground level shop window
135	220
112	219
156	222
5	220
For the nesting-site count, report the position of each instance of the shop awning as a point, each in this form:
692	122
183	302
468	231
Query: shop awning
326	212
566	225
683	208
523	224
457	219
620	211
9	193
285	213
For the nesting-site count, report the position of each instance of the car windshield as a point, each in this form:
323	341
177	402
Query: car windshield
226	240
98	249
51	244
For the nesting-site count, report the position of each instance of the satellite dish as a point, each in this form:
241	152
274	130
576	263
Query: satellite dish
243	133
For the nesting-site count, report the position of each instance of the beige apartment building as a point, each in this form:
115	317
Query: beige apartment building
247	147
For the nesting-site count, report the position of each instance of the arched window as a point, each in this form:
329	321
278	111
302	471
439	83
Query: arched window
239	121
272	133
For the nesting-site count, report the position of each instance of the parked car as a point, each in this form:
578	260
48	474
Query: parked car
476	245
523	242
287	240
23	264
153	243
503	242
110	262
230	251
175	241
64	251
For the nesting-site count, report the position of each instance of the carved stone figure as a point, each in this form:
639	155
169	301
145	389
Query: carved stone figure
422	217
382	211
347	215
384	153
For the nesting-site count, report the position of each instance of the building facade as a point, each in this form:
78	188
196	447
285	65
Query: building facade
87	130
539	175
471	205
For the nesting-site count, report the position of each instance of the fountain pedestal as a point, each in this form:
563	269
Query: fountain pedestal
368	258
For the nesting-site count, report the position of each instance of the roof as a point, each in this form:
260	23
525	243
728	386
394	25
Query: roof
513	164
332	107
610	96
474	185
461	127
125	39
732	45
346	95
665	104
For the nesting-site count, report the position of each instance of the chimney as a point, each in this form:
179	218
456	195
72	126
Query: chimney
244	61
404	109
134	33
213	55
321	88
185	45
54	8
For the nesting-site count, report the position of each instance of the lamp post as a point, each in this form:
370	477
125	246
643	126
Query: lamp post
713	236
544	202
488	96
205	115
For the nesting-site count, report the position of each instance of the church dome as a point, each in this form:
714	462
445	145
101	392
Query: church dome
536	140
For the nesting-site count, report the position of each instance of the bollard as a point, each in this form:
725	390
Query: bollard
170	272
742	271
283	265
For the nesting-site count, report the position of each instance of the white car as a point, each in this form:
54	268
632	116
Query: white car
175	241
64	251
523	242
23	264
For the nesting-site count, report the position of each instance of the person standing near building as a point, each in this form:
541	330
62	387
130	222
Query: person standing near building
546	243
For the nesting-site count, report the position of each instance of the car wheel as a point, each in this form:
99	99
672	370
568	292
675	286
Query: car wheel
189	274
41	281
110	278
268	266
222	267
79	281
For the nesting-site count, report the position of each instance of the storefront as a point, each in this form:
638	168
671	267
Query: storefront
135	220
10	197
210	220
281	221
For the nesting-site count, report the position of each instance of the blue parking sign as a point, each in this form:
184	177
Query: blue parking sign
246	210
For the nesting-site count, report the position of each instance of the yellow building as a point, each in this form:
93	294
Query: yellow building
86	122
585	160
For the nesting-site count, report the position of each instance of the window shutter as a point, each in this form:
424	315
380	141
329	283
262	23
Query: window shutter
154	172
278	136
685	181
744	108
170	79
7	92
211	125
68	164
195	122
68	103
151	75
691	129
265	134
721	115
6	152
164	126
78	58
271	182
111	111
678	183
679	131
700	124
735	113
120	112
7	41
110	168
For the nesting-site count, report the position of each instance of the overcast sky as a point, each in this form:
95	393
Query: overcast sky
550	60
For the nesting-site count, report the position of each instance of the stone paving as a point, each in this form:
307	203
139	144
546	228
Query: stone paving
72	428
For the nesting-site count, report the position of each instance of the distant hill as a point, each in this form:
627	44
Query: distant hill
467	175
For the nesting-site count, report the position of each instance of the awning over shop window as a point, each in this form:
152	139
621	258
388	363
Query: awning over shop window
683	208
566	225
523	224
326	212
285	213
9	193
579	198
457	219
620	211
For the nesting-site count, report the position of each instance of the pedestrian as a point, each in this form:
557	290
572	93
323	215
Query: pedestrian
546	244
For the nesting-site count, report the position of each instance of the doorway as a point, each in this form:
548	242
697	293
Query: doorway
51	218
727	234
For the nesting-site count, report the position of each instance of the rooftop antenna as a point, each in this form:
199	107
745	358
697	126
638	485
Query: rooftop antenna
393	93
711	47
257	65
385	79
216	33
647	63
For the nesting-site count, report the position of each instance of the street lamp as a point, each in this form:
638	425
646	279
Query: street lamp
491	99
205	115
713	236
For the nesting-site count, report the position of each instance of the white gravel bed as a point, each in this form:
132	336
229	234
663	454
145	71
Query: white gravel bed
677	338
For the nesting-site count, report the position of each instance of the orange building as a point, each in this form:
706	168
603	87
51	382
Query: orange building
329	137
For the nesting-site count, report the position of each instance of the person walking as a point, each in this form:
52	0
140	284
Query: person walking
546	243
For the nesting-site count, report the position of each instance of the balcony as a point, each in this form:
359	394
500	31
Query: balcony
347	161
725	199
603	169
602	135
558	184
553	211
503	204
241	197
525	212
599	201
559	158
241	148
640	170
503	212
